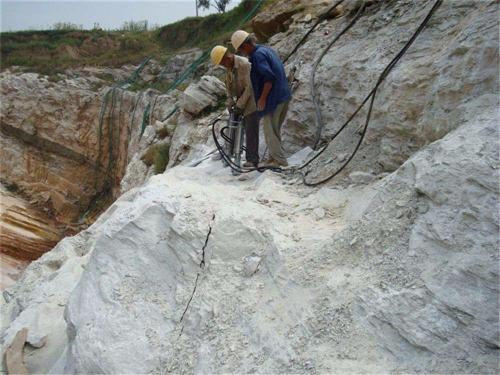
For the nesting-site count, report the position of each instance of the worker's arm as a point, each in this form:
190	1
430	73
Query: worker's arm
264	70
261	104
229	101
247	91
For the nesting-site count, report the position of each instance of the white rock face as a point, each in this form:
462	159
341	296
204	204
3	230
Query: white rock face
202	95
54	146
427	94
199	272
137	172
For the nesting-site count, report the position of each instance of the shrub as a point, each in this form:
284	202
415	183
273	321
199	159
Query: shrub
10	186
149	156
67	26
135	26
161	157
157	155
162	133
192	31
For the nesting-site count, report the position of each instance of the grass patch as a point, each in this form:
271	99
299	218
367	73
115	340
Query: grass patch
163	132
157	155
141	85
52	51
206	31
10	186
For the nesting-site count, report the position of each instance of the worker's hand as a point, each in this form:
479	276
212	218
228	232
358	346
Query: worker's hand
238	111
229	104
261	104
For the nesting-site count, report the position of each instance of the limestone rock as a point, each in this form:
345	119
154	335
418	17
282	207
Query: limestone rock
427	94
15	353
54	142
25	234
277	18
319	213
137	172
359	177
400	276
58	154
251	265
202	95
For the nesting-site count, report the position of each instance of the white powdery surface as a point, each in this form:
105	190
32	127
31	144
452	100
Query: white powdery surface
198	271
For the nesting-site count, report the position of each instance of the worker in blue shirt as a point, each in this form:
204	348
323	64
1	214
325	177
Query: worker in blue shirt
271	90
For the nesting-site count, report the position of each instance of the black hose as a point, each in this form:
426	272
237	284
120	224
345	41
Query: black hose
371	95
314	95
228	139
228	160
306	35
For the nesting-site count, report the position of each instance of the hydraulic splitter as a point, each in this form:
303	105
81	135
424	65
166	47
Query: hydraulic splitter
234	143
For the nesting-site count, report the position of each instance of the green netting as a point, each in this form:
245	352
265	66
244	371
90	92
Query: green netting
136	73
195	64
171	113
139	97
110	95
163	70
148	112
145	119
189	71
252	12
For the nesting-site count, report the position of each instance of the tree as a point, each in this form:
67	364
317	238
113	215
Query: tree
67	26
135	26
219	5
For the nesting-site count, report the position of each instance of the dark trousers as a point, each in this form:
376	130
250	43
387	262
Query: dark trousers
252	137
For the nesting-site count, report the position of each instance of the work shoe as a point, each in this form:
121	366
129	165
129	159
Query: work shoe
273	163
216	156
284	164
249	164
269	163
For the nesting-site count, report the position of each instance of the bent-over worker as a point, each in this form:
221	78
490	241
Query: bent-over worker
240	96
271	89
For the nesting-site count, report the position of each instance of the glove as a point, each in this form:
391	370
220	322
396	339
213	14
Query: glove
237	111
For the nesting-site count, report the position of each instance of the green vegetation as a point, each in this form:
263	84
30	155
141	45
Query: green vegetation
163	132
157	85
10	186
205	31
52	51
157	155
135	26
67	26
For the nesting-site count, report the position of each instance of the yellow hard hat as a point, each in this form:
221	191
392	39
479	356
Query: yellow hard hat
238	38
217	54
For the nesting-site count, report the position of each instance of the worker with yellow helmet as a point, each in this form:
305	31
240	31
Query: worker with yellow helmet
272	92
240	97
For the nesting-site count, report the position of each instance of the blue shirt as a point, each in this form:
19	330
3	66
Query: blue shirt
267	67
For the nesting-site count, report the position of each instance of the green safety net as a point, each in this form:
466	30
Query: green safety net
171	113
145	119
148	111
109	101
200	60
194	66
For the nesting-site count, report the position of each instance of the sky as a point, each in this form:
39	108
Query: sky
109	14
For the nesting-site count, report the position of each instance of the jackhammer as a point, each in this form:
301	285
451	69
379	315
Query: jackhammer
234	140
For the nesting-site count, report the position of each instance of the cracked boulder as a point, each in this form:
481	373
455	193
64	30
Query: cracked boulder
202	95
197	272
